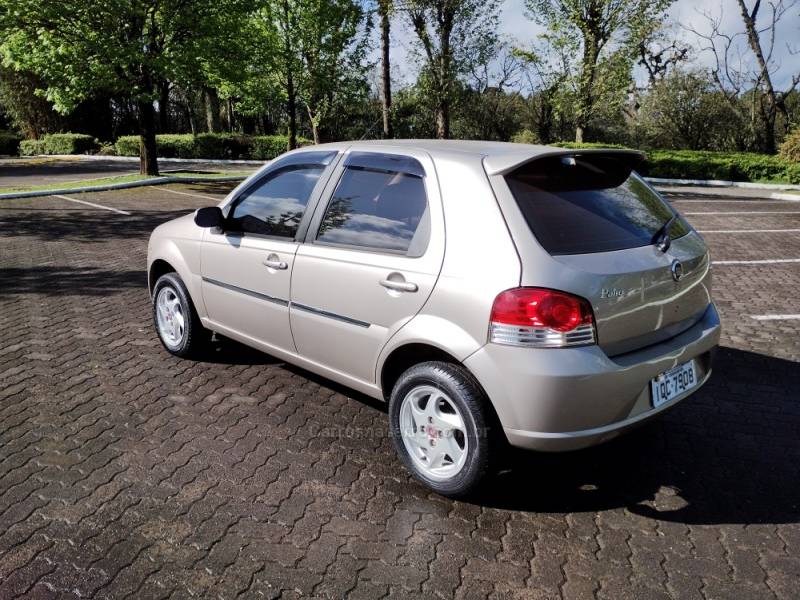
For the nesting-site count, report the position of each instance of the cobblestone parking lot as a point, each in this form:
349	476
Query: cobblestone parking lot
126	472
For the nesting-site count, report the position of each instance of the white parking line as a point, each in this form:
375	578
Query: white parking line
771	261
775	317
747	212
216	200
748	230
100	206
752	201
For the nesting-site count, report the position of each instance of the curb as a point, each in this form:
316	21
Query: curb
213	161
121	186
790	197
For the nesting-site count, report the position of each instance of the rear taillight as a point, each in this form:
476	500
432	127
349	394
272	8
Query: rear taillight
541	318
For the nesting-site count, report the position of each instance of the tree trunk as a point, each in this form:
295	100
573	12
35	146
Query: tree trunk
386	95
585	104
291	108
776	103
443	119
445	79
230	115
163	107
148	151
213	120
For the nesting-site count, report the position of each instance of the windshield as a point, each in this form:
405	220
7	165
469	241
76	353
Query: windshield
590	203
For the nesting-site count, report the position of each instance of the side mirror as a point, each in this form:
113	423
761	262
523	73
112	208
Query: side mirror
210	216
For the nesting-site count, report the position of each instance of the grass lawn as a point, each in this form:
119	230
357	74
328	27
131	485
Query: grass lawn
72	185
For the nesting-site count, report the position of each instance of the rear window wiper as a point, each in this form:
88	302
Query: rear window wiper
661	239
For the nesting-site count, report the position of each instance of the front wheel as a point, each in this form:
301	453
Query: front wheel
175	318
442	427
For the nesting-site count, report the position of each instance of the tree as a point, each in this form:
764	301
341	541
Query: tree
736	77
125	47
685	110
454	35
384	13
332	50
605	35
310	52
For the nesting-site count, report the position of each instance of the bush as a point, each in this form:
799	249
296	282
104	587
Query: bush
701	164
525	136
107	150
211	145
127	145
69	143
727	166
9	142
790	148
578	146
267	147
31	147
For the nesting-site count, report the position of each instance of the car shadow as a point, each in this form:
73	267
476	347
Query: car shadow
85	226
68	281
729	454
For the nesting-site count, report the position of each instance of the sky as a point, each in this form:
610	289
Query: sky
682	15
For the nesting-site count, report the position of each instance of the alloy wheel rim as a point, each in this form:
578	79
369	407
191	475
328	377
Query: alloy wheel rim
434	432
170	316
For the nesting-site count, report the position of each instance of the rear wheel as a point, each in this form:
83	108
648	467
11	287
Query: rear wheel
175	318
442	427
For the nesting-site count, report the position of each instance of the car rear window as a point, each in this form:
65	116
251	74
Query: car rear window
581	204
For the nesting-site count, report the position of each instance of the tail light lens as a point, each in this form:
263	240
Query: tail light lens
541	318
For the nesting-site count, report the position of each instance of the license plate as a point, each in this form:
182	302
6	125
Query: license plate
673	383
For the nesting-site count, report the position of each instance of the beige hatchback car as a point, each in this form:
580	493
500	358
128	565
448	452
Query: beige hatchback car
492	293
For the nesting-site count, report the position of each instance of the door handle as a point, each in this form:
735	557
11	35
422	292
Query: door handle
400	286
276	264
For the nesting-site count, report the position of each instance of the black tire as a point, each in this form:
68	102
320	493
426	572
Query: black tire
195	337
484	439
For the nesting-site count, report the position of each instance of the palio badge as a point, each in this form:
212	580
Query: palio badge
611	293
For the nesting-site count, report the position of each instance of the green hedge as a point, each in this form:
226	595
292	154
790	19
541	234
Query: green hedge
697	164
727	166
211	145
60	143
9	142
31	147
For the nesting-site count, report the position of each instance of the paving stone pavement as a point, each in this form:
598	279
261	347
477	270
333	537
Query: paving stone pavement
125	472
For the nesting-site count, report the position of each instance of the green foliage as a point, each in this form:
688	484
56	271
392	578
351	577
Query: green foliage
579	145
69	143
59	143
9	143
31	147
79	46
596	43
453	38
128	145
726	166
267	147
684	110
722	166
525	136
211	145
790	148
29	113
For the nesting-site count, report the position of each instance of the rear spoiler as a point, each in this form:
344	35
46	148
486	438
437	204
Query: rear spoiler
504	163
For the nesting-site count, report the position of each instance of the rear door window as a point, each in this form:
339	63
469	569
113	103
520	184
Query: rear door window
380	203
590	203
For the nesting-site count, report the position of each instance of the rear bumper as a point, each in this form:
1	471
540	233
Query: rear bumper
570	398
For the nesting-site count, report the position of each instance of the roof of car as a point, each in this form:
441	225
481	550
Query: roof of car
498	157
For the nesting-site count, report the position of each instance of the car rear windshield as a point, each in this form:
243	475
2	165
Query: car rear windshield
580	204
